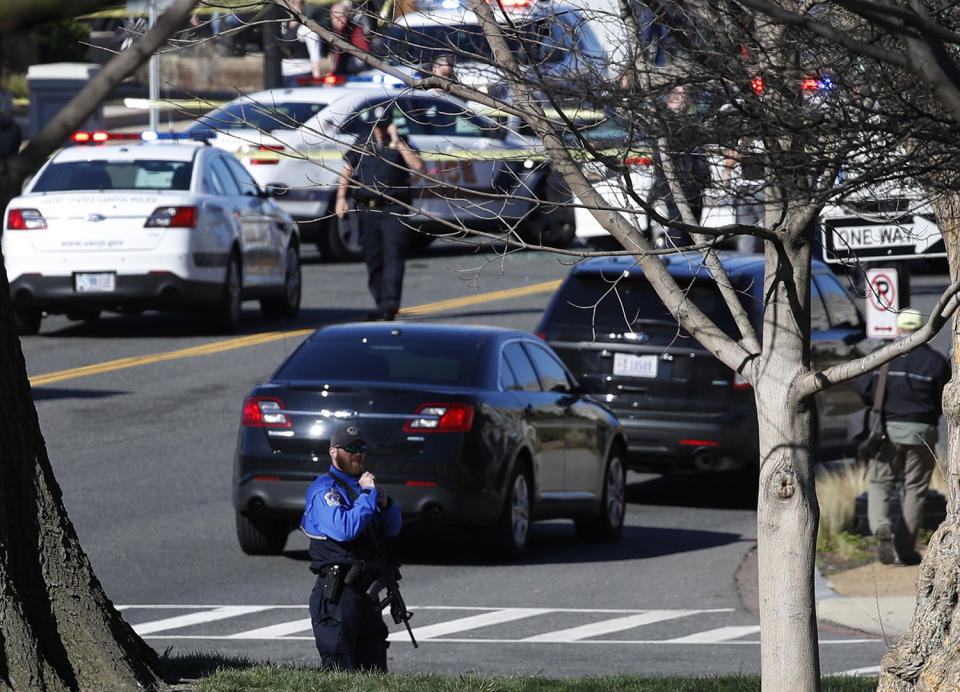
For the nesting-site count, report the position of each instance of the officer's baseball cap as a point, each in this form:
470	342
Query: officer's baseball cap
346	435
909	320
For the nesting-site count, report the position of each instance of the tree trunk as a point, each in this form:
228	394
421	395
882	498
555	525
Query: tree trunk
925	657
58	630
787	510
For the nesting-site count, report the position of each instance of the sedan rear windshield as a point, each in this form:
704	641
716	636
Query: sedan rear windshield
115	175
410	361
593	304
264	116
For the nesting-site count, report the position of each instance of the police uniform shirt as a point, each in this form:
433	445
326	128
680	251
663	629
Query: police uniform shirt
378	169
330	513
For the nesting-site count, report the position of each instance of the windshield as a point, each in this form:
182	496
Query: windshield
259	116
421	45
115	175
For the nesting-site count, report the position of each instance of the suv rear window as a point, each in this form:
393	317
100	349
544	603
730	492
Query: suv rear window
595	305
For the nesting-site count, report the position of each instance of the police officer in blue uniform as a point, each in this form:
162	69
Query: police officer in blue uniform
376	176
343	507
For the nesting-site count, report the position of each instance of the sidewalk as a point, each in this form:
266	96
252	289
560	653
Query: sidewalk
848	605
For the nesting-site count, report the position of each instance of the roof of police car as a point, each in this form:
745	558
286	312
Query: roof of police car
131	150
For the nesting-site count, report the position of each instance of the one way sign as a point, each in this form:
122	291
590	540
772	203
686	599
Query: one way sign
884	236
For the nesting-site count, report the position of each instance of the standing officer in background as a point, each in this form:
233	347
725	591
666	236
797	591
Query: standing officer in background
376	171
911	411
343	507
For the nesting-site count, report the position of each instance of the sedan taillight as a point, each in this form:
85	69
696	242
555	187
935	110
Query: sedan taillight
259	412
25	220
172	217
441	418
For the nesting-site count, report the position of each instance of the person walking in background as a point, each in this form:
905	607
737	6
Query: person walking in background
745	165
342	23
911	408
342	507
309	38
376	178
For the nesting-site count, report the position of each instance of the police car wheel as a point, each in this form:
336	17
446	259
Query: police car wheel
231	300
27	320
286	305
513	532
340	241
549	223
607	524
260	536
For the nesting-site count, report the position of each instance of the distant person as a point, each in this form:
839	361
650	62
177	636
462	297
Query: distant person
309	38
443	66
378	170
343	24
911	410
690	168
745	164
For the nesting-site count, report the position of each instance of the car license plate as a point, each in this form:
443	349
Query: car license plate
634	366
102	282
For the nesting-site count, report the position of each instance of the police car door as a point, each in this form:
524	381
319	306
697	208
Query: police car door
274	242
249	219
460	151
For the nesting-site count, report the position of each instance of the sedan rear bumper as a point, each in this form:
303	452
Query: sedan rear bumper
158	290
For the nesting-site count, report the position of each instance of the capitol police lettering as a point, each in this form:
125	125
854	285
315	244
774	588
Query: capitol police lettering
346	518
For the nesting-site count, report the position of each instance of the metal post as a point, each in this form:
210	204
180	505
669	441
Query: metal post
154	72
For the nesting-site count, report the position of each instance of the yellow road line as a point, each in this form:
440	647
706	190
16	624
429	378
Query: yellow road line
267	337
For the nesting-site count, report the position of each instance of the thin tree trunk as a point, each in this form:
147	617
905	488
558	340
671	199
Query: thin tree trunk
787	510
926	656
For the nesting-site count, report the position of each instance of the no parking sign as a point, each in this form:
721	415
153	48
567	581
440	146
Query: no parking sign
883	303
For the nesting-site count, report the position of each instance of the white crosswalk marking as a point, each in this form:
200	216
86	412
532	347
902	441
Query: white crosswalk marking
721	634
472	622
595	629
274	631
211	615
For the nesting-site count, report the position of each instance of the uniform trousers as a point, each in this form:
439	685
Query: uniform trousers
382	236
916	463
350	634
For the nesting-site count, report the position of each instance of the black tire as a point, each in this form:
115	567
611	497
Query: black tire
260	536
513	530
27	320
287	305
550	223
607	524
418	240
340	240
229	308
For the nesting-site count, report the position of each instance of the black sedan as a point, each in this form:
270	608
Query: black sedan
466	426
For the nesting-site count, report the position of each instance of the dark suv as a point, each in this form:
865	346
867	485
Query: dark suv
682	409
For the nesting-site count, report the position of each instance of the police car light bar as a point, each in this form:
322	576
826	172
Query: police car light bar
99	137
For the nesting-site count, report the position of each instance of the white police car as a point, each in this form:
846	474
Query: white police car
478	173
554	43
125	225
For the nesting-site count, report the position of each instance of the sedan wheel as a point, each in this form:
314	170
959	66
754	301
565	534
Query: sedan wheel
288	305
514	530
260	536
607	524
231	301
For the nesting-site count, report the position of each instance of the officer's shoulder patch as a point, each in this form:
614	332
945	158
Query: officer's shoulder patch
332	498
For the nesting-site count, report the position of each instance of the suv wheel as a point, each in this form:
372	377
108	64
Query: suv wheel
608	522
27	320
260	536
513	531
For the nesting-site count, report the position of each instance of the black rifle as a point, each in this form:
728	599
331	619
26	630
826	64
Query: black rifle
389	575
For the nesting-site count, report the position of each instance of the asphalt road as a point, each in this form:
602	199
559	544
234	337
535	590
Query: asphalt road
140	417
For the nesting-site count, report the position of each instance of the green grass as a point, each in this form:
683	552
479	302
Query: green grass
282	679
